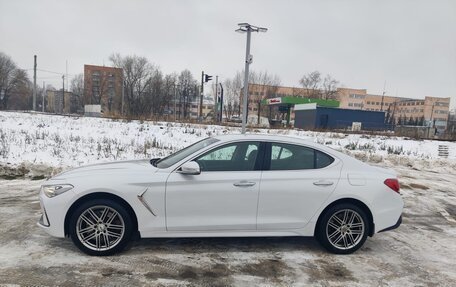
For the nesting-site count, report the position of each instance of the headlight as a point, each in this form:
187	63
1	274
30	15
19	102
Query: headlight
54	190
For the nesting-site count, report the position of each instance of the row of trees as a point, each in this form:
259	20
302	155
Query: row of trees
148	91
266	86
391	119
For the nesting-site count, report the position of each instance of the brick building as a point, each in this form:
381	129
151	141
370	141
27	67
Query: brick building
103	86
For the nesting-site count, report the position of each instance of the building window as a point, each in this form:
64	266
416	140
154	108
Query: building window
442	104
356	96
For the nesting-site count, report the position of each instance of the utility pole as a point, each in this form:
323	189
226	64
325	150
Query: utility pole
383	96
63	94
216	99
201	96
221	102
34	83
431	120
175	96
248	60
66	72
44	92
204	79
247	28
123	94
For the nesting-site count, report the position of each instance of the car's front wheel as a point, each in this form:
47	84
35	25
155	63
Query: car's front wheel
100	227
343	228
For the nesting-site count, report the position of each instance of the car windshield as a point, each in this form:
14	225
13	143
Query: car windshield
183	153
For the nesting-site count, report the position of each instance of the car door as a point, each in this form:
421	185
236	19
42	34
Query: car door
223	196
295	183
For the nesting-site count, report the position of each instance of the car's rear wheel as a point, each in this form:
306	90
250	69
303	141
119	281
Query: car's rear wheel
100	227
343	228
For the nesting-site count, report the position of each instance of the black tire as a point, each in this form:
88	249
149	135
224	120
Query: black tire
108	237
348	237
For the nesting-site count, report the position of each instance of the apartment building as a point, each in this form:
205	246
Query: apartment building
432	111
103	86
56	103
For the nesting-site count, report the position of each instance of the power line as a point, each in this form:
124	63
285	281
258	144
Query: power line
50	77
53	72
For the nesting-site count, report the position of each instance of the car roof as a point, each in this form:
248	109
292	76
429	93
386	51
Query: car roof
286	139
354	163
261	137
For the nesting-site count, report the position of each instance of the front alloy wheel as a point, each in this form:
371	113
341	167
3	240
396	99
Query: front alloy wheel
343	229
100	227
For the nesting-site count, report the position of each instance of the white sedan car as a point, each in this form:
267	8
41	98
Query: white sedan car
232	185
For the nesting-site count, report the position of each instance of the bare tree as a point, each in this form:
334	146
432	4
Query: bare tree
188	92
77	88
169	92
311	84
14	84
20	94
314	86
329	88
161	91
232	95
137	76
265	86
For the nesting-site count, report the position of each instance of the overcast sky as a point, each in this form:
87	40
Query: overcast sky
409	44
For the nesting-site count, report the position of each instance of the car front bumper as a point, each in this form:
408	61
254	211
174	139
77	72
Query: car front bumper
53	212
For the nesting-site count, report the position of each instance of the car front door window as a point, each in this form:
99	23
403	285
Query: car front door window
231	157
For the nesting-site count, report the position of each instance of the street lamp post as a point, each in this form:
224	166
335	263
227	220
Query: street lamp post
247	28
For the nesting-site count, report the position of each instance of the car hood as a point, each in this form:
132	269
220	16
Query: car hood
123	168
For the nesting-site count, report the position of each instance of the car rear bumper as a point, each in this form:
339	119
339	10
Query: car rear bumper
398	223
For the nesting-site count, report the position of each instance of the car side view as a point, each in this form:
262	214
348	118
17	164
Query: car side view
225	186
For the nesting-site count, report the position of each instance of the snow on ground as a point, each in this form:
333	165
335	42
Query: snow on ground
45	144
421	252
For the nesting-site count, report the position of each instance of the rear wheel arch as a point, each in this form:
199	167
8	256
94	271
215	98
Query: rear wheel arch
100	195
353	201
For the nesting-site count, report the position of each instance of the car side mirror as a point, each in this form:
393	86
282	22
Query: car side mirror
190	168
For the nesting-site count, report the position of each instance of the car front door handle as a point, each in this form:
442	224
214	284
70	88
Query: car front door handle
323	183
244	183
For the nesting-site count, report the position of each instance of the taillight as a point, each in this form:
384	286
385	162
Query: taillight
393	183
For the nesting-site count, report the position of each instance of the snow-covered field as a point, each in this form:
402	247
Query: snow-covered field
421	252
38	144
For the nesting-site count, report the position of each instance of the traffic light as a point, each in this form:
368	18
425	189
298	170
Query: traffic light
207	78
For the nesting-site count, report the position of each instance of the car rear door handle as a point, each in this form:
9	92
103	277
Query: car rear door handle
244	183
323	183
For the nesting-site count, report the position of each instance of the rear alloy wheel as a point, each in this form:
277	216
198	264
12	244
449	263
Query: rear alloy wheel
343	229
100	227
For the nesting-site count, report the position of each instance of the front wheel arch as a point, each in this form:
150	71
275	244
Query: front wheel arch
358	203
100	195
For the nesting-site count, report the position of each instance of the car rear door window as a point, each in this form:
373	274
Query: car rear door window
322	160
295	157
